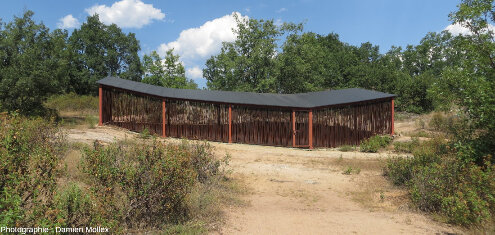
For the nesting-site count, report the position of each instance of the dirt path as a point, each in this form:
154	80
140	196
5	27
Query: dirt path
306	192
295	191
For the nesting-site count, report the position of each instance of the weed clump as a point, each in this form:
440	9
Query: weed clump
373	144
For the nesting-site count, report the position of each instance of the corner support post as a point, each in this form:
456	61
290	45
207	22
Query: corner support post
100	105
164	109
230	123
392	119
310	131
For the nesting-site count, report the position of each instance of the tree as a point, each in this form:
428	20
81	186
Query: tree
249	63
310	62
33	64
168	72
471	84
97	51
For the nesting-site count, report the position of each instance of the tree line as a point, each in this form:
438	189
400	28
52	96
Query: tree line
36	62
265	57
306	61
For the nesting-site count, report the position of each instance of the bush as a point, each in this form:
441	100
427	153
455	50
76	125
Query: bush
407	146
72	102
147	184
347	148
75	208
373	144
30	152
441	182
438	122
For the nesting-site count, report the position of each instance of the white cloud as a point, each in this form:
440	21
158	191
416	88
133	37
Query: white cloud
127	13
281	10
457	29
194	72
68	22
204	41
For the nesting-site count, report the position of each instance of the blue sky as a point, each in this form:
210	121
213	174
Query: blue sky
196	28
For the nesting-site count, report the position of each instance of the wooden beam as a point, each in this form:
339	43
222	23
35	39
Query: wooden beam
100	104
392	119
293	128
230	124
164	108
310	133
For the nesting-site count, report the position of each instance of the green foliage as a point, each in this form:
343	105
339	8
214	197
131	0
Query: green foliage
167	73
30	152
75	208
72	102
406	146
373	144
347	148
441	182
145	134
349	170
148	183
471	84
98	50
91	121
32	65
438	122
248	63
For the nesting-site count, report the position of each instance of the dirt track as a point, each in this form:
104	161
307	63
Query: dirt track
295	191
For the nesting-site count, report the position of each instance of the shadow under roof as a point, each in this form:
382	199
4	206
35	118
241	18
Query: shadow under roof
300	100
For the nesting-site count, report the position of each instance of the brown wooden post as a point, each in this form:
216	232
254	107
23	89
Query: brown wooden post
392	120
230	123
100	103
163	118
293	128
310	133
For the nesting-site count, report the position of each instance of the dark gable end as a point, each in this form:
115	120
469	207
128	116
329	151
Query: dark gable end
300	100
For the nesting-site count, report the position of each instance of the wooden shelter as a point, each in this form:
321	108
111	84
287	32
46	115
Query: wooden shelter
316	119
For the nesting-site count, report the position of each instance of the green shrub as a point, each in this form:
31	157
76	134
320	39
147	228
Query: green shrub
148	182
92	121
145	134
441	182
399	170
373	144
438	121
347	148
407	146
347	171
76	208
30	151
73	102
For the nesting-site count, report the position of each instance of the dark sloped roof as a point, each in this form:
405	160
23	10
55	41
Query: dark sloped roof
300	100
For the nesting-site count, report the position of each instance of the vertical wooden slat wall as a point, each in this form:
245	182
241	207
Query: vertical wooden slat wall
349	125
197	120
132	111
263	126
331	127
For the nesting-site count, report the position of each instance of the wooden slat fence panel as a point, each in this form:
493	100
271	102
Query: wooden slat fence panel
131	111
197	120
349	125
263	126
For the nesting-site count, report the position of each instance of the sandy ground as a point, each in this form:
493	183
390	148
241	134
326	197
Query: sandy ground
296	191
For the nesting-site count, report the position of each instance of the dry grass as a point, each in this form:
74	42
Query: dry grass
344	163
